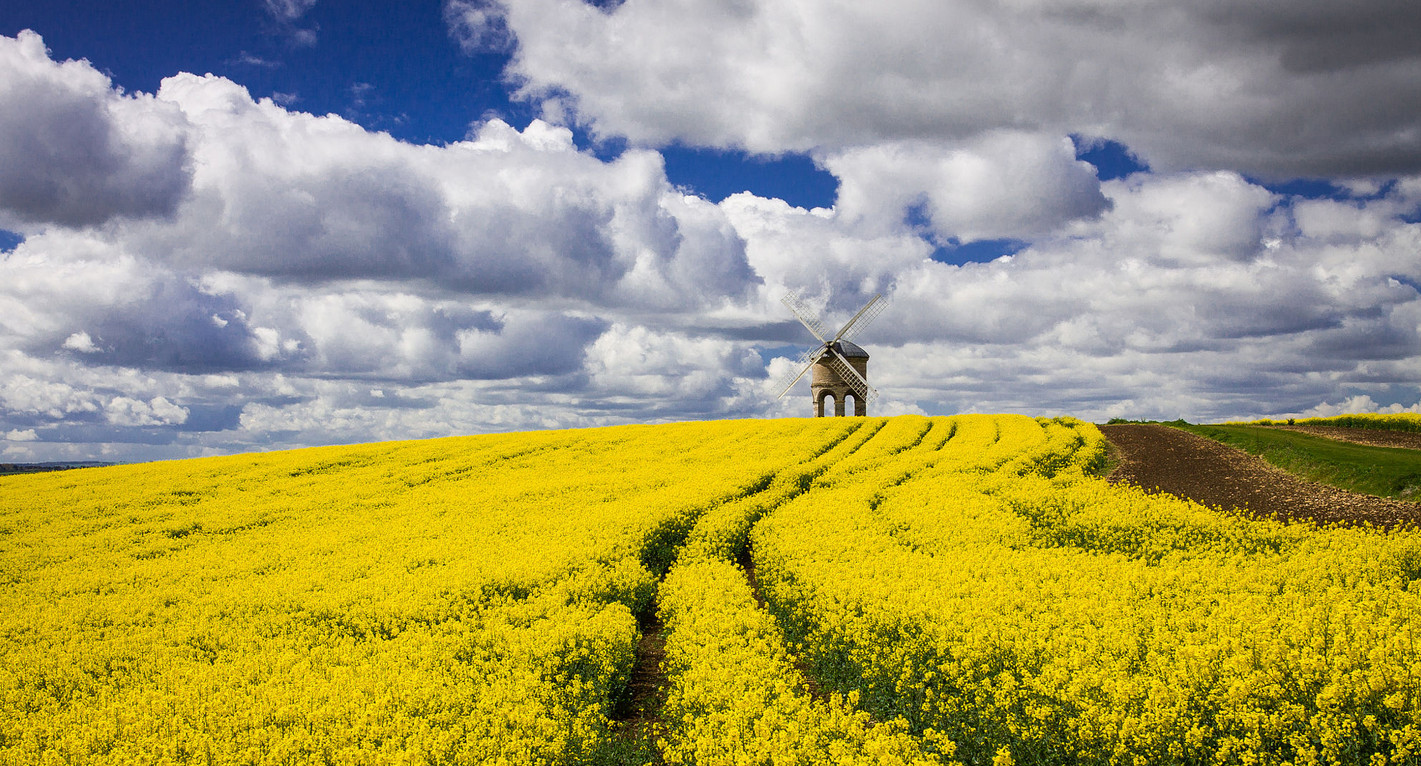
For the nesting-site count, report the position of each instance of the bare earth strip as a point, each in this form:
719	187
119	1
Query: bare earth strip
638	716
1160	458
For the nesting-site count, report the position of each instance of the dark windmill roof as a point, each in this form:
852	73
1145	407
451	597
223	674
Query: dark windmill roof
851	350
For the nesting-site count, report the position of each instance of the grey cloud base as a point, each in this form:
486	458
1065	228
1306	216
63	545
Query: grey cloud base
74	152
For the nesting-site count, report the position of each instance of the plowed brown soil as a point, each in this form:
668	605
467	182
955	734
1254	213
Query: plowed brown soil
1164	459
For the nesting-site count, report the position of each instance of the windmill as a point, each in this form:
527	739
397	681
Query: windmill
840	367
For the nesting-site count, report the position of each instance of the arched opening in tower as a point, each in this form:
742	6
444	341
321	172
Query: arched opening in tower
860	406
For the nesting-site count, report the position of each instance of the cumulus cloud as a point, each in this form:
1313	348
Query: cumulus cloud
1178	264
1190	218
1303	88
251	187
123	411
527	345
673	372
835	264
302	198
43	395
80	341
110	309
1000	185
85	297
399	336
75	151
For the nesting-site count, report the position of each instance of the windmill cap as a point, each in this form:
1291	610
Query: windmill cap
851	350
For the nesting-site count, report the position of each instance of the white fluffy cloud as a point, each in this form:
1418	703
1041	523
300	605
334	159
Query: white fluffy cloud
1299	88
95	300
311	199
74	151
675	375
1000	185
123	411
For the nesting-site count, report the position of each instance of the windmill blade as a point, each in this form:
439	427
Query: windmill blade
852	377
868	313
801	311
801	366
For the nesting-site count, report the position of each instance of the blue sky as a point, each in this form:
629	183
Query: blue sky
391	67
274	223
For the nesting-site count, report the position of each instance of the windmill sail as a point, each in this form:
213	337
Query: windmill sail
796	306
805	361
852	377
830	353
867	314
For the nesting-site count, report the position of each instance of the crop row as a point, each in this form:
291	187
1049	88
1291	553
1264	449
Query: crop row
450	601
734	694
1000	596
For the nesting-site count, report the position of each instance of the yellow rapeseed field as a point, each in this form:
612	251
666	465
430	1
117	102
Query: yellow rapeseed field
864	590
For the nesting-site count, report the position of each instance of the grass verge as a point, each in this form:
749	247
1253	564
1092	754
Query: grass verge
1380	471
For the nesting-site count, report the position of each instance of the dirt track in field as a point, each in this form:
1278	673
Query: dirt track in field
1160	458
638	714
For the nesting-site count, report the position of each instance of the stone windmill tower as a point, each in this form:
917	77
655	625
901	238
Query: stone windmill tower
840	367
